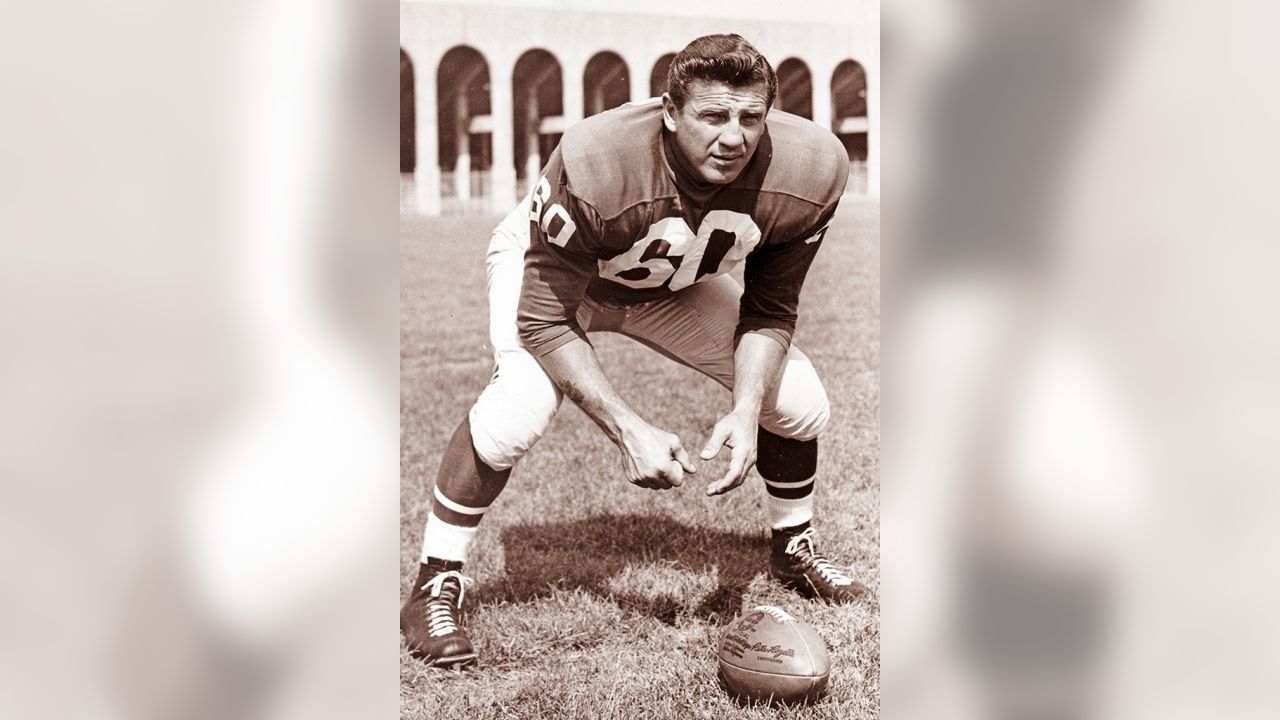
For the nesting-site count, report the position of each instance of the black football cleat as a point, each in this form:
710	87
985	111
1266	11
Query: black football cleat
430	619
796	564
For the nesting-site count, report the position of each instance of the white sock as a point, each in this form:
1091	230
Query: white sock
785	513
445	541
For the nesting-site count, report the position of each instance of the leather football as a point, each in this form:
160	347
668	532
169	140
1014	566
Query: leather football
770	656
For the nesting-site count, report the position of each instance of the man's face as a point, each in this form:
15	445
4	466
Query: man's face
719	127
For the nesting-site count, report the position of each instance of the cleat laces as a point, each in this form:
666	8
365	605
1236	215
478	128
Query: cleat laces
440	612
803	548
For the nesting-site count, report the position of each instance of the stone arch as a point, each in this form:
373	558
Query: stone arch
849	89
849	101
408	124
537	112
795	88
463	122
606	83
658	76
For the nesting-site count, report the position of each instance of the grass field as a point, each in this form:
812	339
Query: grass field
597	599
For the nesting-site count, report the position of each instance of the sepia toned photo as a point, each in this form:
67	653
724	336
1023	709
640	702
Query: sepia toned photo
639	360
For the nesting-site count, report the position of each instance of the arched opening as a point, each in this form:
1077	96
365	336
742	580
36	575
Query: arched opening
658	78
849	100
795	88
408	151
606	83
465	127
537	113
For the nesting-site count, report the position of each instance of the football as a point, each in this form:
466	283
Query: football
770	656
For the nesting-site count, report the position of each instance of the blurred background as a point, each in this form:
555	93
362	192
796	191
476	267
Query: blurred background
199	348
1079	392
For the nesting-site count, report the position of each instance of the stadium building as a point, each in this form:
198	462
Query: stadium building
487	88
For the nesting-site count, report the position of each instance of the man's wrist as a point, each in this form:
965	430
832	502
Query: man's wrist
624	426
748	409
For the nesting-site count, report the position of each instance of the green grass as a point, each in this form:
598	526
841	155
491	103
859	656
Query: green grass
597	599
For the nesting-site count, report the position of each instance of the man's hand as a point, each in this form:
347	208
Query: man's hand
653	458
737	431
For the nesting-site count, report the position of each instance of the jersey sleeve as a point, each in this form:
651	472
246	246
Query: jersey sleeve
772	280
559	264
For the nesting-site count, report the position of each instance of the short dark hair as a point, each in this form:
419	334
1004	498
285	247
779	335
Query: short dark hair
729	59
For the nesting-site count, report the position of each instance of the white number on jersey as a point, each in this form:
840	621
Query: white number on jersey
564	230
670	251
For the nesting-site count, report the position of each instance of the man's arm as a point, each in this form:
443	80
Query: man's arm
767	319
757	367
772	281
652	458
559	265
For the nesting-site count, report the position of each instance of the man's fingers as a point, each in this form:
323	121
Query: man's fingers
723	486
733	477
682	457
736	470
657	481
718	437
674	475
748	462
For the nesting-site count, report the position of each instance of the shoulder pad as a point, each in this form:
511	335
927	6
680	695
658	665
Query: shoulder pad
808	161
613	160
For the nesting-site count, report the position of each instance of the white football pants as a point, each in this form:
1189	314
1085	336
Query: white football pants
694	326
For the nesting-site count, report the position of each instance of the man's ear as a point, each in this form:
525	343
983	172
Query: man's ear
669	111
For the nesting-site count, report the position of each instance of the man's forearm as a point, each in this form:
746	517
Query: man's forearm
757	366
576	370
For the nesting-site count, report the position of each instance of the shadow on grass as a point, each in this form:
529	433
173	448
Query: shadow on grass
594	553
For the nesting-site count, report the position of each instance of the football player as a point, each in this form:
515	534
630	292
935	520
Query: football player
639	216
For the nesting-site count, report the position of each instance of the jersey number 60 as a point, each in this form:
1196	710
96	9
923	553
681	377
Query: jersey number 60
672	252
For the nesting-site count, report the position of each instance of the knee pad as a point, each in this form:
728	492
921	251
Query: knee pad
799	410
513	412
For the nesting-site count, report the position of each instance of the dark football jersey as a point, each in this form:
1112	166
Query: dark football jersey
617	216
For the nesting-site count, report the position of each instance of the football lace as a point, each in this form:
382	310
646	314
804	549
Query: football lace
776	613
440	615
811	558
